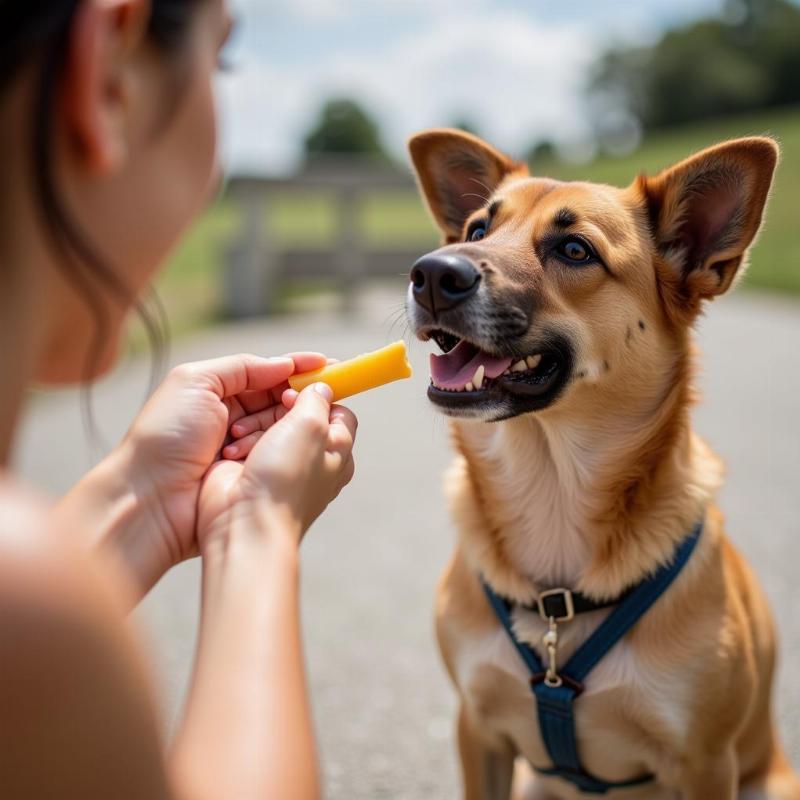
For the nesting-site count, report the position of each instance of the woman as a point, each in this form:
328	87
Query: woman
107	144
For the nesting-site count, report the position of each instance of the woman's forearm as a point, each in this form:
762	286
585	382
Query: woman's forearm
247	731
114	515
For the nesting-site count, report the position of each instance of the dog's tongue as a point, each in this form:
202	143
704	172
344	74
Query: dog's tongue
454	370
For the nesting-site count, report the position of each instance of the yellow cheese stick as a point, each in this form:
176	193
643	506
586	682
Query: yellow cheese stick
359	374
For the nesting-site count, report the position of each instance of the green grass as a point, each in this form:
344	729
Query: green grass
191	284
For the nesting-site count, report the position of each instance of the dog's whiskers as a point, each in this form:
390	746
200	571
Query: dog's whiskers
484	186
473	194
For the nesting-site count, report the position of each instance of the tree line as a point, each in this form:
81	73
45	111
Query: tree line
746	59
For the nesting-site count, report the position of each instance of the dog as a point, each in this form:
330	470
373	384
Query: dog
564	314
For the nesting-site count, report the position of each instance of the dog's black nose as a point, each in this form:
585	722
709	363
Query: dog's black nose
442	281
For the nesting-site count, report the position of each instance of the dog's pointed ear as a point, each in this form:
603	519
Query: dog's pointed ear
457	173
705	212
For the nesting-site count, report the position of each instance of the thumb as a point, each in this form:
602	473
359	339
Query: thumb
312	410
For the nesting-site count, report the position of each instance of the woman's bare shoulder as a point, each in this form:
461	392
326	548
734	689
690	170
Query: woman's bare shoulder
45	566
22	514
32	553
45	570
42	576
70	672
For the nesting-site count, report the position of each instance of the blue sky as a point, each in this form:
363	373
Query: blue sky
517	69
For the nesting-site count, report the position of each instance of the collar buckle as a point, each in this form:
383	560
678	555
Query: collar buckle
556	605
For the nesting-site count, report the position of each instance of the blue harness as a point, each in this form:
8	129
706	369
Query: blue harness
556	689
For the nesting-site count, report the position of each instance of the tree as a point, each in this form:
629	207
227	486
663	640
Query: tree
542	152
748	60
344	128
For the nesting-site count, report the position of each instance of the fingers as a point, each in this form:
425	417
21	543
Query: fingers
289	397
311	413
343	418
344	470
260	421
232	375
306	362
311	430
239	450
348	472
303	362
304	427
244	425
339	448
252	402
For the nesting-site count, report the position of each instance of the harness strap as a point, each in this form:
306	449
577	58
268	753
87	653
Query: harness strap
555	703
630	610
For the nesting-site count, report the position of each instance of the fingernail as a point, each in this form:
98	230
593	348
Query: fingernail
237	430
324	390
232	450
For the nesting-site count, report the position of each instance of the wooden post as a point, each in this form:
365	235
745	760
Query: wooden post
348	258
250	283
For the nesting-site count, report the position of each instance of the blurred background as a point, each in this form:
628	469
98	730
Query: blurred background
309	245
319	96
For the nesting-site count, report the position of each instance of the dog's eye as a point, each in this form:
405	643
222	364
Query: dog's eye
575	250
476	233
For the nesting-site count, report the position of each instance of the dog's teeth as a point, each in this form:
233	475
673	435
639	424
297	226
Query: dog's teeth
477	379
533	361
469	388
520	366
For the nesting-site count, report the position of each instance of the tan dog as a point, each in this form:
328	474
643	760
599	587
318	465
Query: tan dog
565	312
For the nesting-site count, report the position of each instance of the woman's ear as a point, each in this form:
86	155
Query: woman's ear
705	212
457	173
99	83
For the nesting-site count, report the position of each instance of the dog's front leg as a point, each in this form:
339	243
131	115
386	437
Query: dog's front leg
487	766
717	777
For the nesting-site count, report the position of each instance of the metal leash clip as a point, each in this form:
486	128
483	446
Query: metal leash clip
550	640
555	606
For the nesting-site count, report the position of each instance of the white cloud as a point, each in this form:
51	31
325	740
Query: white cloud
306	10
260	106
516	78
515	68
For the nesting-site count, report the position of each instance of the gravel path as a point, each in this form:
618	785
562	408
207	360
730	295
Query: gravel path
382	704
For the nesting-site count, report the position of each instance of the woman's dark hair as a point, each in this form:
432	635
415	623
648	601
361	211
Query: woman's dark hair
38	31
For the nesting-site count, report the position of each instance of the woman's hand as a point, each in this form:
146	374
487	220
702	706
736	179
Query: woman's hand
286	473
249	669
182	429
140	504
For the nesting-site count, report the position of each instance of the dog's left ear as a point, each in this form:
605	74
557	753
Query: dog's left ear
457	173
705	212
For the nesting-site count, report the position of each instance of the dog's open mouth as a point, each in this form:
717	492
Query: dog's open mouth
465	379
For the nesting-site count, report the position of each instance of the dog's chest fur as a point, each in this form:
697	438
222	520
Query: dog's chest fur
523	522
532	486
540	506
625	702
